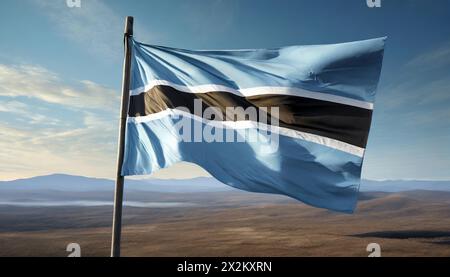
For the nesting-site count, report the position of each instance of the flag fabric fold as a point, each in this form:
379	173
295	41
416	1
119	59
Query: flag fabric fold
299	124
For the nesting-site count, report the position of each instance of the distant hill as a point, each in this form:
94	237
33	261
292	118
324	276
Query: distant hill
70	183
404	185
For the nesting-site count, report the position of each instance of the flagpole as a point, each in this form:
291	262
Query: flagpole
118	195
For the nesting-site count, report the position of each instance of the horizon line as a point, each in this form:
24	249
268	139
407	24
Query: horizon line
147	177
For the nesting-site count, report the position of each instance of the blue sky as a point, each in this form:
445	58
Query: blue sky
60	74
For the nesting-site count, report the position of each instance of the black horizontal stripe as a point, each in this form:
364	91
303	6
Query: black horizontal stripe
329	119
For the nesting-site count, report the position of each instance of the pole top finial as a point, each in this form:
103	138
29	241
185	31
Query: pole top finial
129	26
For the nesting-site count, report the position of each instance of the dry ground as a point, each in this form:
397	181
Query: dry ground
237	224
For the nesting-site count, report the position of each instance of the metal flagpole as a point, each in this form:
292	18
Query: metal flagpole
118	195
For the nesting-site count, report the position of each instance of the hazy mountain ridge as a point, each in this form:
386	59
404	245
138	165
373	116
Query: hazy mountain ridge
404	185
63	182
71	183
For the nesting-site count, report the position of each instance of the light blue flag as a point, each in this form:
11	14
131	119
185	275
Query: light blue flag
300	125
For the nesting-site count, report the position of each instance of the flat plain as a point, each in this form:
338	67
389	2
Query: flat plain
413	223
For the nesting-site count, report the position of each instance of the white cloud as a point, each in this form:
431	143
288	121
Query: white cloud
35	139
421	85
419	92
79	139
83	151
411	127
12	106
431	60
39	83
22	112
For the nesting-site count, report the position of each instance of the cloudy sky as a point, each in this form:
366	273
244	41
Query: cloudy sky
60	74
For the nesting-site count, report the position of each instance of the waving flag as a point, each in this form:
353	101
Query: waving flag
299	121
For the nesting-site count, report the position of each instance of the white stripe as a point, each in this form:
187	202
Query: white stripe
332	143
257	91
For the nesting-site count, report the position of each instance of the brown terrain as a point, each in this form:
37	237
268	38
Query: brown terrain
415	223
